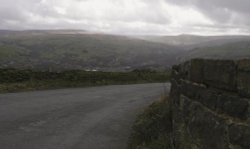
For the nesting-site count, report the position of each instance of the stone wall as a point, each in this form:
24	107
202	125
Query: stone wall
210	104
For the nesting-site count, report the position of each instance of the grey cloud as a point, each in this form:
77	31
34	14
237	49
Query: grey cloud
149	17
234	5
18	9
219	10
23	11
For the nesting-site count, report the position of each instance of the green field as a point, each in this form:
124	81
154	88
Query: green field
13	80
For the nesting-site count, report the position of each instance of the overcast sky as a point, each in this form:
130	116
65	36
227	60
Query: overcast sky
204	17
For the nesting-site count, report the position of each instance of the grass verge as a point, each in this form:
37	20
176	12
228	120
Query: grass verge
152	128
13	80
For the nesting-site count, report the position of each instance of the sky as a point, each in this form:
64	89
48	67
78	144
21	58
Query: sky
135	17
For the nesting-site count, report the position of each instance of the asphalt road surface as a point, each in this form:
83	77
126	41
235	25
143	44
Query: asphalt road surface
82	118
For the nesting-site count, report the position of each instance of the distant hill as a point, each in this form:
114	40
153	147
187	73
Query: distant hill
16	33
181	40
188	42
79	49
76	49
234	50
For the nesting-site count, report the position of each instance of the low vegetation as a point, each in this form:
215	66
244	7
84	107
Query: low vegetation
12	80
152	128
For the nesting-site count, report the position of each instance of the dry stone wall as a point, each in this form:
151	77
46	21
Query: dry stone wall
210	104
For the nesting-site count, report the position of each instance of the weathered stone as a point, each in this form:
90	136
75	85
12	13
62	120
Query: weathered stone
177	124
175	73
185	103
244	65
208	130
174	92
176	67
243	84
209	98
183	140
191	89
211	105
240	135
184	70
196	70
220	74
233	106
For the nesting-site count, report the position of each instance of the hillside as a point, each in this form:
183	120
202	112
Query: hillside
181	40
189	42
82	50
236	50
72	49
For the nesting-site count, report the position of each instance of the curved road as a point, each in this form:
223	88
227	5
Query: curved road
82	118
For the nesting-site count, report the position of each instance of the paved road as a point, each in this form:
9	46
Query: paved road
84	118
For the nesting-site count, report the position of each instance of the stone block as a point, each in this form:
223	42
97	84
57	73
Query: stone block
240	135
184	70
182	137
209	98
220	74
244	65
233	105
175	91
243	83
191	90
207	129
176	67
196	70
176	76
